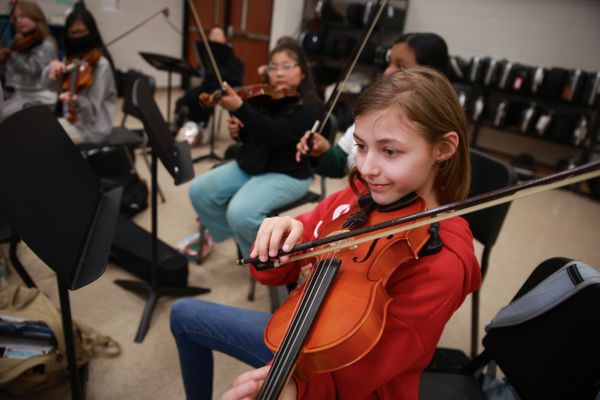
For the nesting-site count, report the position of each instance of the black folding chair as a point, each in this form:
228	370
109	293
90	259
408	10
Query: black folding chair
121	137
488	174
553	355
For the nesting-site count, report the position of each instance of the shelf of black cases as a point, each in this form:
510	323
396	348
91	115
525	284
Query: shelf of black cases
514	129
332	29
573	123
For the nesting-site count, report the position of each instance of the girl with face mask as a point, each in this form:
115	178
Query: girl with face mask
89	108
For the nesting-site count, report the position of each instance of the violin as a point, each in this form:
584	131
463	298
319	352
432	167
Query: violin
23	43
26	42
259	95
79	74
350	282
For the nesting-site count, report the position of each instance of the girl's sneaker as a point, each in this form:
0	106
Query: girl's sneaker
190	245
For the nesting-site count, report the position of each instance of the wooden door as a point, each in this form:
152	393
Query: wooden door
251	24
210	12
247	21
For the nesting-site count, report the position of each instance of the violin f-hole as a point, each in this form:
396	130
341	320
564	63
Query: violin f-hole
369	252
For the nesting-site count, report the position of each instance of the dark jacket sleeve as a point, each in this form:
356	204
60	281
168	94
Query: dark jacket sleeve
275	130
333	163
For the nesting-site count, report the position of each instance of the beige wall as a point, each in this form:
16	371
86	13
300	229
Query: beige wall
157	36
562	33
548	32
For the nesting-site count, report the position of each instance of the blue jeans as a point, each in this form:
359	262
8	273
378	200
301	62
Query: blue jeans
199	327
231	202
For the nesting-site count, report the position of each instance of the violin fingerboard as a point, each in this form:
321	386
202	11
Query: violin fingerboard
299	328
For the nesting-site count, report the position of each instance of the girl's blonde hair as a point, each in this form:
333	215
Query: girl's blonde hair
429	101
32	11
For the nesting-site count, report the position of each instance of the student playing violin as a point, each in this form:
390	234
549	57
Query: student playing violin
23	60
409	50
234	198
411	139
89	94
231	68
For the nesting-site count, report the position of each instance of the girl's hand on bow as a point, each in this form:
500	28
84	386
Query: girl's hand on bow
67	97
275	233
57	69
319	146
230	99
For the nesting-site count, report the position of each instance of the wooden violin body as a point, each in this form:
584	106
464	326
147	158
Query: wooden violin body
27	41
79	74
260	95
352	316
22	43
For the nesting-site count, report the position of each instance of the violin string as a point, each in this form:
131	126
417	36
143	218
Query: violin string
302	319
281	365
288	353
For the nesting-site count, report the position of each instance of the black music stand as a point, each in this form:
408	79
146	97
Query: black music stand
54	202
169	64
177	159
232	71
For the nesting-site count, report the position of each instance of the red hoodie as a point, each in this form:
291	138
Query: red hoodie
425	293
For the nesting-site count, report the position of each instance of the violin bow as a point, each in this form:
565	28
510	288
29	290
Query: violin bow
427	217
164	11
319	124
205	41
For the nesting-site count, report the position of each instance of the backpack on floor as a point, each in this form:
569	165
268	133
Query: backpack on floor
25	375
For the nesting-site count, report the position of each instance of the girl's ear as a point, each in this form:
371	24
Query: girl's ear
446	147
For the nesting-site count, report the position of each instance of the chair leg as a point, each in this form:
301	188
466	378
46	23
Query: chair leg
485	259
474	323
201	238
252	281
251	289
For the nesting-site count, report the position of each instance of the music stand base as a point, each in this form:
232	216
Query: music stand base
153	295
211	155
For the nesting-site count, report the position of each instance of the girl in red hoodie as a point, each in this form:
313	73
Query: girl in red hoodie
411	138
